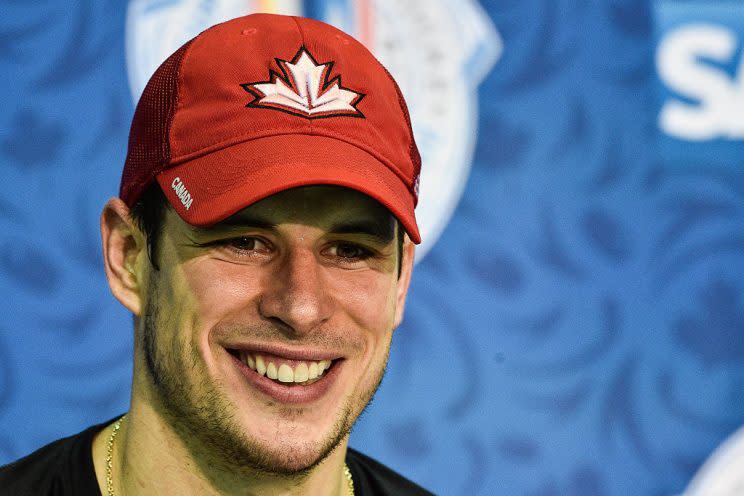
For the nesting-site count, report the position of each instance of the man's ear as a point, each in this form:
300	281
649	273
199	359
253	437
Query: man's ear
406	268
124	251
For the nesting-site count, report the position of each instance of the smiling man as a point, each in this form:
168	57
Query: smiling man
264	240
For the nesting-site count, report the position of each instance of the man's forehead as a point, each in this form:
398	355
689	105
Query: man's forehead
331	208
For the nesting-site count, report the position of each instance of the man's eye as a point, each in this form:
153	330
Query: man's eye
246	243
350	251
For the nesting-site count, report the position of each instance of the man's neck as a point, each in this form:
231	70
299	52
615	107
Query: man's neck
149	457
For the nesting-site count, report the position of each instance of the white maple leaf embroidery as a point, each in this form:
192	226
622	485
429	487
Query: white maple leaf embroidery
305	90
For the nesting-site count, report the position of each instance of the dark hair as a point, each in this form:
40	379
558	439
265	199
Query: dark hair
149	211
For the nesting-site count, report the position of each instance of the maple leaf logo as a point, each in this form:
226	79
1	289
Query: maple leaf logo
303	89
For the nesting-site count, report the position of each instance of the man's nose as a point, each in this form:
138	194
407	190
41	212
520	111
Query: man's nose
296	295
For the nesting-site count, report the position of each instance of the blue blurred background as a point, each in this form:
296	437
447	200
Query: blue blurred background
576	320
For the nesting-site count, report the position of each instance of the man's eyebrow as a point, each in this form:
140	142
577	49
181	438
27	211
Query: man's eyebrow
241	221
384	231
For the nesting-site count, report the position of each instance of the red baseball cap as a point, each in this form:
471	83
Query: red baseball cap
264	103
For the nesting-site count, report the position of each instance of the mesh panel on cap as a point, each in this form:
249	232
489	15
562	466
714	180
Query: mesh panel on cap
149	145
413	151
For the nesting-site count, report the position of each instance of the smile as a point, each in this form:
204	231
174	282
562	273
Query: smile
288	376
284	370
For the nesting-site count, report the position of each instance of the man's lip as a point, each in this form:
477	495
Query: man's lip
285	352
284	393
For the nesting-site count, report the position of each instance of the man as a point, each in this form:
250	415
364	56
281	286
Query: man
264	241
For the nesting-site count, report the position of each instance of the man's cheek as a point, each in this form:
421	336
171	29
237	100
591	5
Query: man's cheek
216	290
364	295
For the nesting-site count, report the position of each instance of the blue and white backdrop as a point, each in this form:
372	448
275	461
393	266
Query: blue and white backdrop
576	321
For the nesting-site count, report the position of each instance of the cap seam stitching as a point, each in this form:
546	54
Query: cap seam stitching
302	39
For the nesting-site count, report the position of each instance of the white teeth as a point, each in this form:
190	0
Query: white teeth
260	365
271	371
285	373
312	371
301	372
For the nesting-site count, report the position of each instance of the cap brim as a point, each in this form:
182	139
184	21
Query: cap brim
223	182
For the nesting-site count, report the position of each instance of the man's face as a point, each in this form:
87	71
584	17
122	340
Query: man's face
304	283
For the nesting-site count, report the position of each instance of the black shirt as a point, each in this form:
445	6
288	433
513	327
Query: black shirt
65	467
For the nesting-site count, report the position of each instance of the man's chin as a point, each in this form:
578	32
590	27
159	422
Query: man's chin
283	453
295	465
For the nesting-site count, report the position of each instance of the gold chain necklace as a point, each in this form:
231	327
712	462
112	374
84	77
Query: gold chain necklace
110	463
349	481
110	456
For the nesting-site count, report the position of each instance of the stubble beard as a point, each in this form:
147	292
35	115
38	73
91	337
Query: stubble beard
202	416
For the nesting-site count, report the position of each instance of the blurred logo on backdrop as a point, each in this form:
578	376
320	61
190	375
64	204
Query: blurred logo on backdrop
722	473
701	73
453	41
